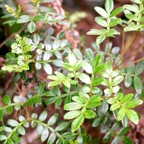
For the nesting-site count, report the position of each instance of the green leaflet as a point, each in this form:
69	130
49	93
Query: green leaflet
77	123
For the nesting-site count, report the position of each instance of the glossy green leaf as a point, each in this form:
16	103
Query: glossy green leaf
109	69
114	22
132	27
31	27
115	89
21	130
80	99
94	101
17	107
15	137
103	108
131	16
6	99
68	135
84	77
44	135
128	81
78	53
10	141
88	114
51	138
66	82
115	73
114	106
73	106
100	39
51	100
107	137
46	55
64	43
133	116
96	122
138	84
38	65
77	123
54	83
123	131
53	119
89	53
116	11
68	67
40	129
56	91
23	19
85	89
58	102
115	126
26	124
112	32
118	96
17	99
99	68
105	75
115	50
101	11
43	116
7	129
96	32
96	61
59	141
130	69
34	115
33	124
133	8
115	140
109	5
97	81
62	126
111	100
72	114
139	68
121	114
41	88
126	98
107	91
12	122
87	67
71	59
36	38
80	139
48	69
126	140
2	137
125	121
56	44
134	103
9	109
57	63
101	21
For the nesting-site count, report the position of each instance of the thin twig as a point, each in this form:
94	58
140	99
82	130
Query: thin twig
129	44
121	57
123	39
136	61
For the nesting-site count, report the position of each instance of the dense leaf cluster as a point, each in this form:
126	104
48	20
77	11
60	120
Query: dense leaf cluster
87	86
